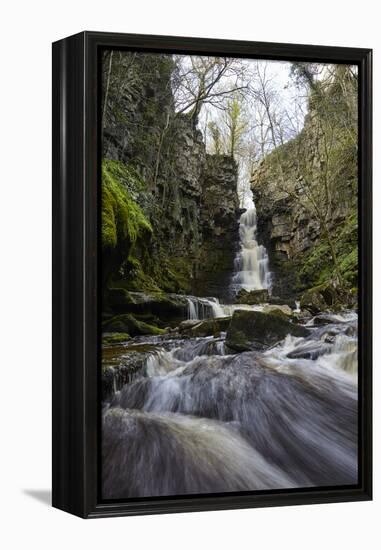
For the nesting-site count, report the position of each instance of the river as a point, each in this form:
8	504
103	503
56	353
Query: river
189	416
195	418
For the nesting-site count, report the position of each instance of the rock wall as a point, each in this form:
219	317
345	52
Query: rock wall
219	221
188	197
299	253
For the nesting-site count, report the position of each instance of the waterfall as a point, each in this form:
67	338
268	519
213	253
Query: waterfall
252	262
192	311
204	308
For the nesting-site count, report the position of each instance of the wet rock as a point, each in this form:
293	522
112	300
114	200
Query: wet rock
129	324
254	330
119	298
208	327
122	365
310	350
188	324
277	300
252	297
301	316
168	307
282	311
109	338
319	298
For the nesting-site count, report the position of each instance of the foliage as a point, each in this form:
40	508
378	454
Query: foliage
122	217
316	266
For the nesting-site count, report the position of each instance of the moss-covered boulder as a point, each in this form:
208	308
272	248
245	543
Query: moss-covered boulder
283	311
254	330
167	307
119	299
129	324
187	325
109	338
252	297
319	298
209	327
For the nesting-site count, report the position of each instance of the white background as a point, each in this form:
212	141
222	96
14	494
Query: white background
27	29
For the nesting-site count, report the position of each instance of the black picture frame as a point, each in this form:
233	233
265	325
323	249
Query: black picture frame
76	300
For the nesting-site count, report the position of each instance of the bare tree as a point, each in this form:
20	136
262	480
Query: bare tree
203	80
318	189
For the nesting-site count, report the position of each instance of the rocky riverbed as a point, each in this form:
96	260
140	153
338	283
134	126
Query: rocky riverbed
248	401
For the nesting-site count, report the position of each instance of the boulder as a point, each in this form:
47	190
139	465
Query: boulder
129	324
187	325
208	327
168	307
109	338
277	300
252	297
319	298
254	330
121	364
282	311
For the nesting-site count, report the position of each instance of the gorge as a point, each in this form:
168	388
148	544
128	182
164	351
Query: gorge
229	325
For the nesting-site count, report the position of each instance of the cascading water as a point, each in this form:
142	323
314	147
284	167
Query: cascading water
204	308
252	262
199	421
185	415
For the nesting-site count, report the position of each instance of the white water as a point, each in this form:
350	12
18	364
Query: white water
204	308
207	308
197	420
200	419
252	262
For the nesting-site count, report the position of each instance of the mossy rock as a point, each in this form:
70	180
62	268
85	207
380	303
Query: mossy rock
210	327
129	324
254	330
119	298
161	307
166	307
252	297
282	311
319	298
115	338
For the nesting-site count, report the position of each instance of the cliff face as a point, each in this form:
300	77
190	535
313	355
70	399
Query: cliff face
219	215
306	198
185	201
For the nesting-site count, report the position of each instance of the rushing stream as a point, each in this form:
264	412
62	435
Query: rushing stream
196	418
185	415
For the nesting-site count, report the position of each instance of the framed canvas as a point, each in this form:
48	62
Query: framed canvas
211	274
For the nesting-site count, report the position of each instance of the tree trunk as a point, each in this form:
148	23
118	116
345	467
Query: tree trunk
107	89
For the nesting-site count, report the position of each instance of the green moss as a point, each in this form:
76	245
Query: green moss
115	338
138	279
349	266
316	266
128	323
119	297
122	218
